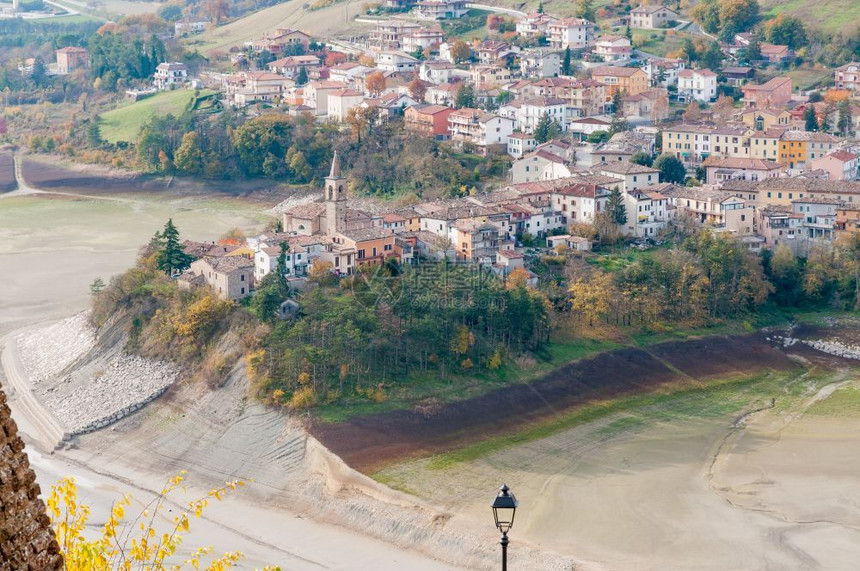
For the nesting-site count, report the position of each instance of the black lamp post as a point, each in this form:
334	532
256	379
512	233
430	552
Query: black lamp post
504	508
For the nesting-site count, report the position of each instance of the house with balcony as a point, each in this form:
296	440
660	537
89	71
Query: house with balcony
486	131
697	85
391	33
440	9
540	63
612	48
534	24
436	71
573	33
647	212
475	241
422	39
847	76
531	111
170	75
396	61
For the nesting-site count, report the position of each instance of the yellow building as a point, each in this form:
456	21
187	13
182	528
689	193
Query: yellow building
797	148
628	80
764	119
766	144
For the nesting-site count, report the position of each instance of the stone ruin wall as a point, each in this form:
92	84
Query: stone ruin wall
27	542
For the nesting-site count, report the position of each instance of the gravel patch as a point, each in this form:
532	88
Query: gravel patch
108	387
129	383
45	352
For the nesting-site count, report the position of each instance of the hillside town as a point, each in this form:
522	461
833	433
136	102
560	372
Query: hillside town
589	124
595	133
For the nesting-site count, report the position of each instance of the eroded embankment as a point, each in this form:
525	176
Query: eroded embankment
371	442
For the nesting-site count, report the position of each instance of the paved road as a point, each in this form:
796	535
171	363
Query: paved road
39	422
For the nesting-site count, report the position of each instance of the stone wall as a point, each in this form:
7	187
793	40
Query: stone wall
27	542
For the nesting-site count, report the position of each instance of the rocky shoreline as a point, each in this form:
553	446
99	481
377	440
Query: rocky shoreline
89	397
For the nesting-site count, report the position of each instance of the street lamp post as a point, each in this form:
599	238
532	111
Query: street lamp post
504	508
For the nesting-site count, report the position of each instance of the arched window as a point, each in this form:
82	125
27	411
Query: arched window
330	192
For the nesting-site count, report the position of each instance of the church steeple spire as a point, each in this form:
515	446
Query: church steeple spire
335	198
335	167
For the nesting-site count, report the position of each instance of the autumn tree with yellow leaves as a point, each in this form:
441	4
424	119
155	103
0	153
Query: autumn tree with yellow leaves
143	542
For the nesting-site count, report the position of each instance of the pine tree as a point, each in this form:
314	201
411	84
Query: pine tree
629	34
810	118
544	129
843	124
171	259
615	207
282	269
566	68
540	8
302	76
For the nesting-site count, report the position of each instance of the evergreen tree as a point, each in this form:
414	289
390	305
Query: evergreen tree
566	67
94	133
171	258
540	8
617	106
641	158
302	76
618	125
465	96
585	9
615	207
628	33
843	124
824	125
754	49
810	118
671	168
713	57
282	269
546	129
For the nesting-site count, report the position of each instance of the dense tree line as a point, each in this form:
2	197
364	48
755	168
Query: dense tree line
377	328
380	159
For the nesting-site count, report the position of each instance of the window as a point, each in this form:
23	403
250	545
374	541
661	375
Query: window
242	278
387	247
243	291
360	254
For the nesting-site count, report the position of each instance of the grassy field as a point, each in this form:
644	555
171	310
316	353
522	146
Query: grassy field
330	21
828	15
706	400
124	123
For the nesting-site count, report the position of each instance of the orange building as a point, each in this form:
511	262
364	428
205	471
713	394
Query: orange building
628	80
429	120
72	58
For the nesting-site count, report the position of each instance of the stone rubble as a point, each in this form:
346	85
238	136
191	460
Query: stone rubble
130	383
127	382
830	347
45	352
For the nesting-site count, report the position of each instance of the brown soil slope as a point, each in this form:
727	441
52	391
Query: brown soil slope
370	442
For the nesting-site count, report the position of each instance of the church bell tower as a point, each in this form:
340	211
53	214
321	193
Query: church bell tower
335	199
